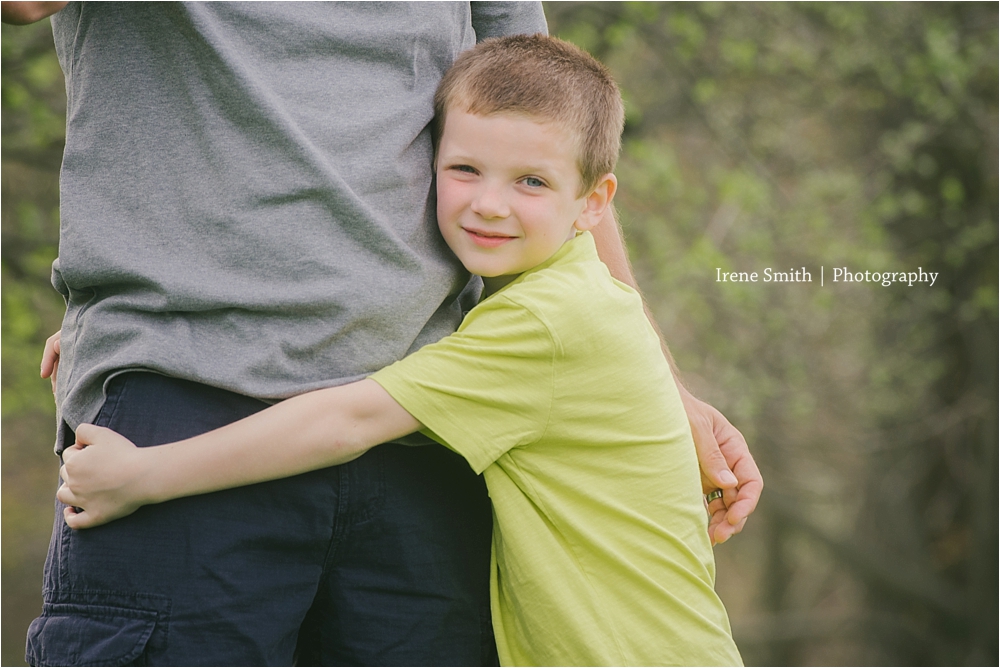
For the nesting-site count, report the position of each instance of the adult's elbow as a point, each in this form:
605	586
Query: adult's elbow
23	13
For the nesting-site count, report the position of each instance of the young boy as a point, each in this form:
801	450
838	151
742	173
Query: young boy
554	388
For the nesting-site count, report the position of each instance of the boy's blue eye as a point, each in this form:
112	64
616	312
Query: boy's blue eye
533	182
464	168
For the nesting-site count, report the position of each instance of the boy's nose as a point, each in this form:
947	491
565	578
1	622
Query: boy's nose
490	203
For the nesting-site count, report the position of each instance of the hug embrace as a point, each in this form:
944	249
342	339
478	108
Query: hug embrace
267	271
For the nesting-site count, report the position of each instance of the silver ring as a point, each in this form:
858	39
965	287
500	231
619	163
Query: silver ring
713	495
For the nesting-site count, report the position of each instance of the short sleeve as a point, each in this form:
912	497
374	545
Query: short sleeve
483	390
499	19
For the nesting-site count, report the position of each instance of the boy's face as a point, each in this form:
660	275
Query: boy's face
508	193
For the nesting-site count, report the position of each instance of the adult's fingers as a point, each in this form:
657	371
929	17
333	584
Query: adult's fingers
50	354
716	518
715	469
54	375
723	531
742	502
716	473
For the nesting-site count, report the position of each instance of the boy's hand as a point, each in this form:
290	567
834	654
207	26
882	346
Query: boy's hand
102	477
50	358
726	464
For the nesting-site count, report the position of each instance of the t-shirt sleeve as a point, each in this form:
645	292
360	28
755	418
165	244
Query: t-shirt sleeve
483	390
499	19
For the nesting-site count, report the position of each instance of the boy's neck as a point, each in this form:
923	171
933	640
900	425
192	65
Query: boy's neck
494	284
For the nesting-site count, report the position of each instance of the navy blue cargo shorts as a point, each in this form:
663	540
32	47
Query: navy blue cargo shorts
381	561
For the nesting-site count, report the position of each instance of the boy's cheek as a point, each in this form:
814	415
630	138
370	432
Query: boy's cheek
448	203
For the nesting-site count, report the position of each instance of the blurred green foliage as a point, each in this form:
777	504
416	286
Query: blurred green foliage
829	135
33	122
32	96
778	135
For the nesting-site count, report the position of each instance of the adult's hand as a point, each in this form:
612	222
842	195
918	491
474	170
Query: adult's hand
725	459
50	358
726	464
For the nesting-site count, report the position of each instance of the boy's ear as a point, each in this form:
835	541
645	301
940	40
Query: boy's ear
597	202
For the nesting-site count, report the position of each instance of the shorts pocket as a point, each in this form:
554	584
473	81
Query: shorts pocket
77	631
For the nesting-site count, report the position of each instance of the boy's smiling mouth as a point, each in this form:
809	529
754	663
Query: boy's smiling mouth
487	239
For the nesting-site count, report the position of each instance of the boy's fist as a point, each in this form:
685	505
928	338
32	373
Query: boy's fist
102	476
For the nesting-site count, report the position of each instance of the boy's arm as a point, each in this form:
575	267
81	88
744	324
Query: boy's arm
106	477
722	450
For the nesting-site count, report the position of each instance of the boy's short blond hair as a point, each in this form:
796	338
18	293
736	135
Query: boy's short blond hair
546	78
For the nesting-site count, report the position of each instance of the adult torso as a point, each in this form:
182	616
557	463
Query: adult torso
246	191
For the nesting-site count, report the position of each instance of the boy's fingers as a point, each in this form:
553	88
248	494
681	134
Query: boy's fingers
66	495
86	433
76	518
67	455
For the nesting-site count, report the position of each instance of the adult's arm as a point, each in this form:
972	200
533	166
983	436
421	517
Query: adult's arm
23	13
726	462
105	476
500	19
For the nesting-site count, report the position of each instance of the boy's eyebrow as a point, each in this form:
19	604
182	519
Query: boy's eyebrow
544	169
459	157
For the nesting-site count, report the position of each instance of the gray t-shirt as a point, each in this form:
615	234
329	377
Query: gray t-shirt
246	191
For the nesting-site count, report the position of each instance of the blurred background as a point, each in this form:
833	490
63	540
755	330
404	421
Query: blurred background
773	135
